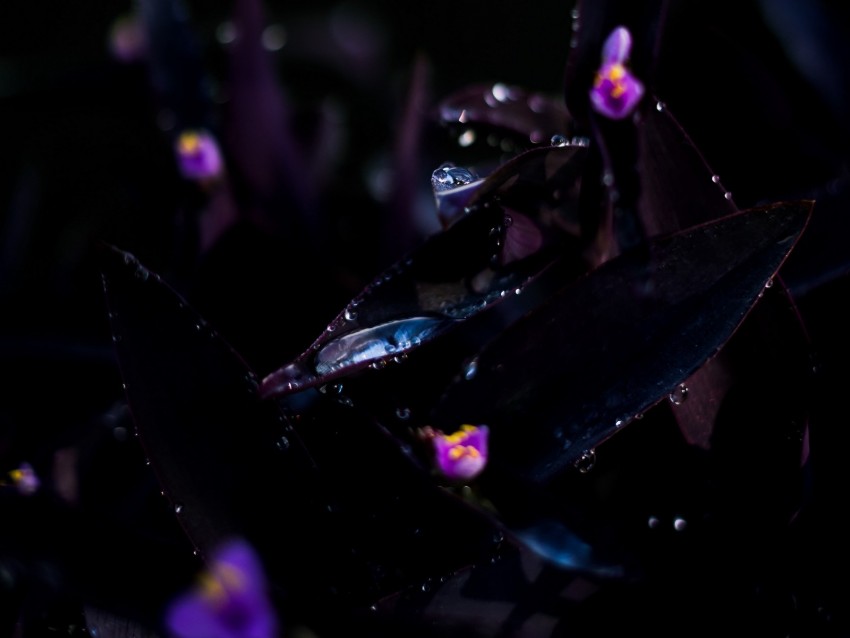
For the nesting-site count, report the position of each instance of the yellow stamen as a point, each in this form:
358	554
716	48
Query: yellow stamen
189	143
223	578
616	72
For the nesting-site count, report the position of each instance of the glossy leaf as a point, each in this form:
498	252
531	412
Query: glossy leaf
225	457
604	349
521	219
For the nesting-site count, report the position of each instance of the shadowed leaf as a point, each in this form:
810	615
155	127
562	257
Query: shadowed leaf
606	348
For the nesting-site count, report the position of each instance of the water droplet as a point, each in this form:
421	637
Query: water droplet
508	221
518	291
769	283
679	394
536	136
370	344
660	106
715	179
653	522
470	370
282	444
147	461
586	461
178	508
350	315
639	416
274	37
141	273
608	178
619	423
502	92
680	524
580	141
727	195
448	177
467	138
116	338
402	413
225	33
559	140
331	388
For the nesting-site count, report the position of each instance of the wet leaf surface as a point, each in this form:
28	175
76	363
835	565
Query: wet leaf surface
655	322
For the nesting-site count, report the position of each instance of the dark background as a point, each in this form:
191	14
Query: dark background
85	158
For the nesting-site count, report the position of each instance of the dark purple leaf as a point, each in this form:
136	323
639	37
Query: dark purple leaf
601	351
267	160
473	265
678	189
226	459
221	455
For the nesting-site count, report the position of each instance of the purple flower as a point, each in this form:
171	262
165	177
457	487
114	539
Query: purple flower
230	600
198	155
616	91
25	479
463	455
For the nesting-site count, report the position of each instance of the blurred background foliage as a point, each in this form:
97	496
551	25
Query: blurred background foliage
86	157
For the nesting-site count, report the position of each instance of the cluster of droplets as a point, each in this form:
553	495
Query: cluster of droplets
562	140
679	524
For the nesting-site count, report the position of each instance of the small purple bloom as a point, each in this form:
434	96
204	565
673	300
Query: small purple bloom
198	155
463	455
616	91
25	479
230	600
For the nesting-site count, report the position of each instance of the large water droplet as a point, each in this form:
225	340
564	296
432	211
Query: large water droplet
282	444
371	344
559	140
470	369
680	524
448	177
350	315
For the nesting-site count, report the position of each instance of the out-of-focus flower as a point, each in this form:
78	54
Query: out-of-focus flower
25	479
463	455
616	92
230	600
198	155
127	39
